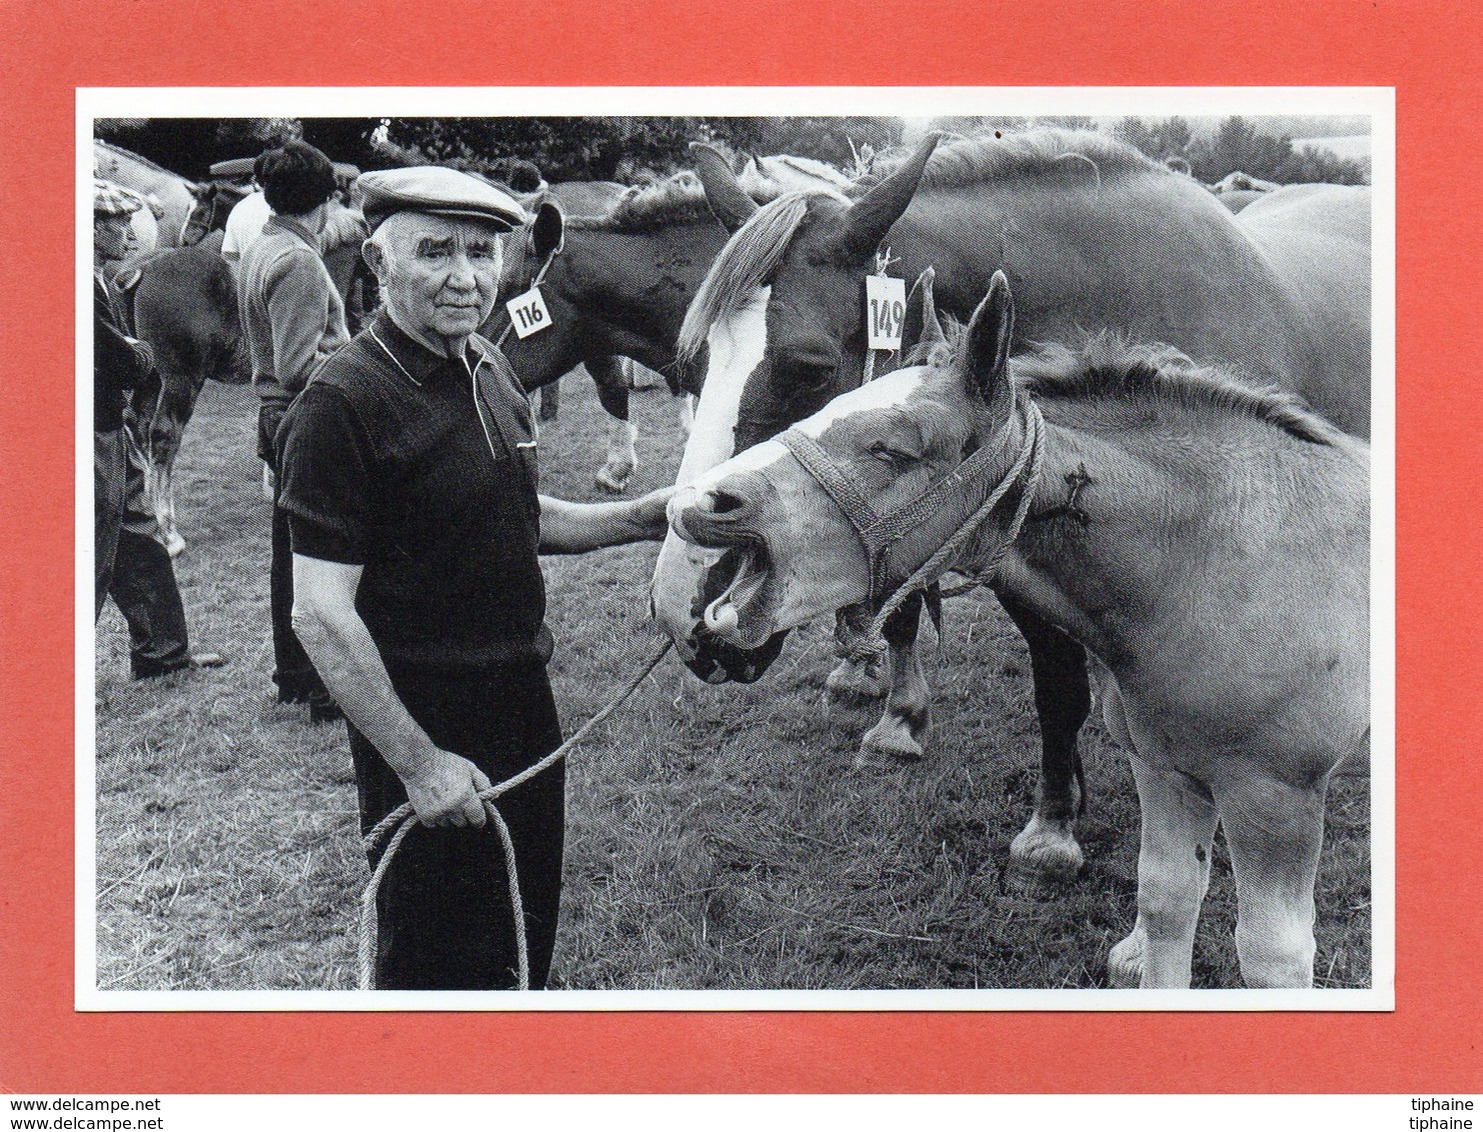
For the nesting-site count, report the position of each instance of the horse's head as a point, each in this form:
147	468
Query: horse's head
816	317
860	494
531	253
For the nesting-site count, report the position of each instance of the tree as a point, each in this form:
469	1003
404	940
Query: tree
1160	139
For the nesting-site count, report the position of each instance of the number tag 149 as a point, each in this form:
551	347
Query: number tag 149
885	311
528	313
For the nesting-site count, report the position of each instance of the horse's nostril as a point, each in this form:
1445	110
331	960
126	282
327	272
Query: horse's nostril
724	502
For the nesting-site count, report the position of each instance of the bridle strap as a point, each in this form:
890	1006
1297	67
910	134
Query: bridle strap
879	533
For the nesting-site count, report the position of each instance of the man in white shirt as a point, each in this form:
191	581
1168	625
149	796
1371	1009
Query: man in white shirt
245	221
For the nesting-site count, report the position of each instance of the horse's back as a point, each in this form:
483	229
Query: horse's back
1317	240
185	306
587	198
170	190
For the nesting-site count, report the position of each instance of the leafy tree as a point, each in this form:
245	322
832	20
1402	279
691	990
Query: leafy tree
1160	139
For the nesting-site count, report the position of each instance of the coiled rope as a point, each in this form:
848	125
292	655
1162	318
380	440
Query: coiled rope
402	819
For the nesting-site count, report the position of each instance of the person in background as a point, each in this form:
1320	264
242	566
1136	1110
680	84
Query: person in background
410	480
131	564
292	319
246	220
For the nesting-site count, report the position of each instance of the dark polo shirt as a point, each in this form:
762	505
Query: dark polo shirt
423	470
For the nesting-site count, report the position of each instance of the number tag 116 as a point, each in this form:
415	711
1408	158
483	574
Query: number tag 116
885	311
528	313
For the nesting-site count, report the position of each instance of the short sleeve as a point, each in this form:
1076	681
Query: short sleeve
324	484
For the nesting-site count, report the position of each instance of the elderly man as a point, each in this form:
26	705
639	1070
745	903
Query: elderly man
409	474
131	562
293	320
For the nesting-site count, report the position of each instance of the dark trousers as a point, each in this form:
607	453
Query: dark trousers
110	470
293	671
443	912
141	580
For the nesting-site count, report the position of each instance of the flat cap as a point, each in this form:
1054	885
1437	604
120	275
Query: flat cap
235	169
110	200
438	190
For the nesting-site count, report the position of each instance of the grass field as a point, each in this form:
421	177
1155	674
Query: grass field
719	837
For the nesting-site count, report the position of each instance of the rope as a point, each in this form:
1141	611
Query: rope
402	820
1026	466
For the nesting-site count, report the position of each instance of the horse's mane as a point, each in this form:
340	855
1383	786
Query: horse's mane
1109	367
1080	156
680	198
137	157
746	261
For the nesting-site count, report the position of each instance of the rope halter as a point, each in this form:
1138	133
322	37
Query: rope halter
967	485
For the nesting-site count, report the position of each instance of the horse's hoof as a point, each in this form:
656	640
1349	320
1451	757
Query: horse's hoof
174	544
850	682
1125	964
1045	851
888	744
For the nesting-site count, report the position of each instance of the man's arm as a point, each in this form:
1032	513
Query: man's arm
441	786
574	528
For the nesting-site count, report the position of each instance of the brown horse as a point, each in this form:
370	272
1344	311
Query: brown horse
185	306
620	283
1209	544
1093	235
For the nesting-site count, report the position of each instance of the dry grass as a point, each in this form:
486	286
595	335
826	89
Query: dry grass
718	837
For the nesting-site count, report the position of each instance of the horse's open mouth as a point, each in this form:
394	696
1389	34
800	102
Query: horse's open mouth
733	614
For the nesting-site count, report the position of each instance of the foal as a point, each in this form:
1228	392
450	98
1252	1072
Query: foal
1207	543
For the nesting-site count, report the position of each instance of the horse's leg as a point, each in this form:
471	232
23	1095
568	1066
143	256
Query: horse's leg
1047	846
1275	832
174	541
1177	825
903	726
613	381
854	679
551	400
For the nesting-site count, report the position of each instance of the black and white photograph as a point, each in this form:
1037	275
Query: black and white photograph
888	550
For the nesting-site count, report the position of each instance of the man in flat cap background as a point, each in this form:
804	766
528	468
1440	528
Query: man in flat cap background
409	474
293	319
130	560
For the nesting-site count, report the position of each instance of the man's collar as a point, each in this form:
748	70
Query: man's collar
297	227
415	358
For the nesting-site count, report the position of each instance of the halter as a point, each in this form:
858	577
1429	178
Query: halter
878	534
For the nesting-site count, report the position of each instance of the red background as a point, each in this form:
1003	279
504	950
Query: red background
1426	50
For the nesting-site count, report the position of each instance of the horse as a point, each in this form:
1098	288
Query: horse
1093	234
1207	542
171	194
617	284
183	303
185	307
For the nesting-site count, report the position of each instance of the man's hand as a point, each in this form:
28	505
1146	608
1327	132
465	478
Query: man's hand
446	793
649	512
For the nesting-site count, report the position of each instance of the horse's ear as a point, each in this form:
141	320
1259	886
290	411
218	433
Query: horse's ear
986	356
548	232
923	330
723	192
871	217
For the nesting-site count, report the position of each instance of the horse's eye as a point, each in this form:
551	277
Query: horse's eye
892	457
